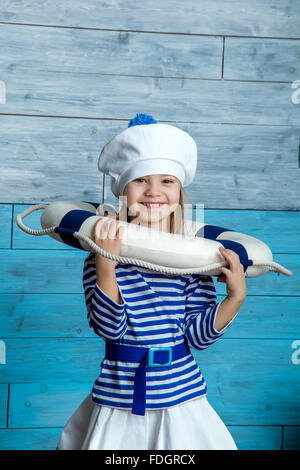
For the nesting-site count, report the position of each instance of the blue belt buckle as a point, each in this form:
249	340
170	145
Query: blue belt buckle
151	362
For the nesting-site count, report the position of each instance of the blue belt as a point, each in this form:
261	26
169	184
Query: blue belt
151	357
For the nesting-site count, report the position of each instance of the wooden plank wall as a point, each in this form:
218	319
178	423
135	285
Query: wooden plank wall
72	75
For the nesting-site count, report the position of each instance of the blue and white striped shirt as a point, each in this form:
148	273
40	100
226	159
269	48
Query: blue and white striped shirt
156	310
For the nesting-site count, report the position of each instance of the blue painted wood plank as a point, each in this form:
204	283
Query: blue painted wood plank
29	439
45	405
291	437
3	404
261	59
22	239
29	316
52	360
33	405
254	18
42	271
49	315
6	222
250	381
224	178
256	437
278	229
55	271
246	437
68	94
91	51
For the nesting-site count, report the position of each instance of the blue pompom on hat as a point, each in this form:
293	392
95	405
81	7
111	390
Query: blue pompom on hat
147	147
141	119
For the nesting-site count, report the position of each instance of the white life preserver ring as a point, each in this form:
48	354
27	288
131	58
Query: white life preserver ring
72	222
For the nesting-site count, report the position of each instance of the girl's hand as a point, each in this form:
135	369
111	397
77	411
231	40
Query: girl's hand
233	277
108	236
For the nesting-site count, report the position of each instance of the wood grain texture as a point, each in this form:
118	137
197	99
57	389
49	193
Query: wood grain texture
243	167
280	19
6	225
250	381
43	272
3	404
65	316
291	437
110	52
75	74
68	94
33	404
43	316
246	437
262	59
29	439
256	437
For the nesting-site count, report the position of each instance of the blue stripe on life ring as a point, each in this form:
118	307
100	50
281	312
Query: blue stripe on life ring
212	232
71	223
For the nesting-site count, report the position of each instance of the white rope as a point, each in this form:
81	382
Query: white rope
275	267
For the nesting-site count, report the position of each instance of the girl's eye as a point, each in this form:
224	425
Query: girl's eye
143	179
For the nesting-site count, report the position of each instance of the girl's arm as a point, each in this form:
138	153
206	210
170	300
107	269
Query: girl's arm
234	278
106	278
201	313
205	320
106	310
107	318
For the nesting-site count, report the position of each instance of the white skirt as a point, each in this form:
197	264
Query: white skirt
191	425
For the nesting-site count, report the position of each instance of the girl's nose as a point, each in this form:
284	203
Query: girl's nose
152	189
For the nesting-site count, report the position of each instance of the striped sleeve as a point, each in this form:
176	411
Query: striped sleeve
106	317
200	312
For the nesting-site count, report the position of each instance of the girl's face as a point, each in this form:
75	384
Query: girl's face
162	191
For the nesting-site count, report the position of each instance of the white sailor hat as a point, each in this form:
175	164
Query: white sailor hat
148	148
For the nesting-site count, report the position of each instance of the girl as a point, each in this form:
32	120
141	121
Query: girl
150	393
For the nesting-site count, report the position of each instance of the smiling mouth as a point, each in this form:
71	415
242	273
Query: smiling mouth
153	205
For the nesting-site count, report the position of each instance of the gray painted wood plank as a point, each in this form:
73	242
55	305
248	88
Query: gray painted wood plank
118	97
238	166
3	403
262	59
291	437
250	382
254	18
30	316
40	271
110	52
6	224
